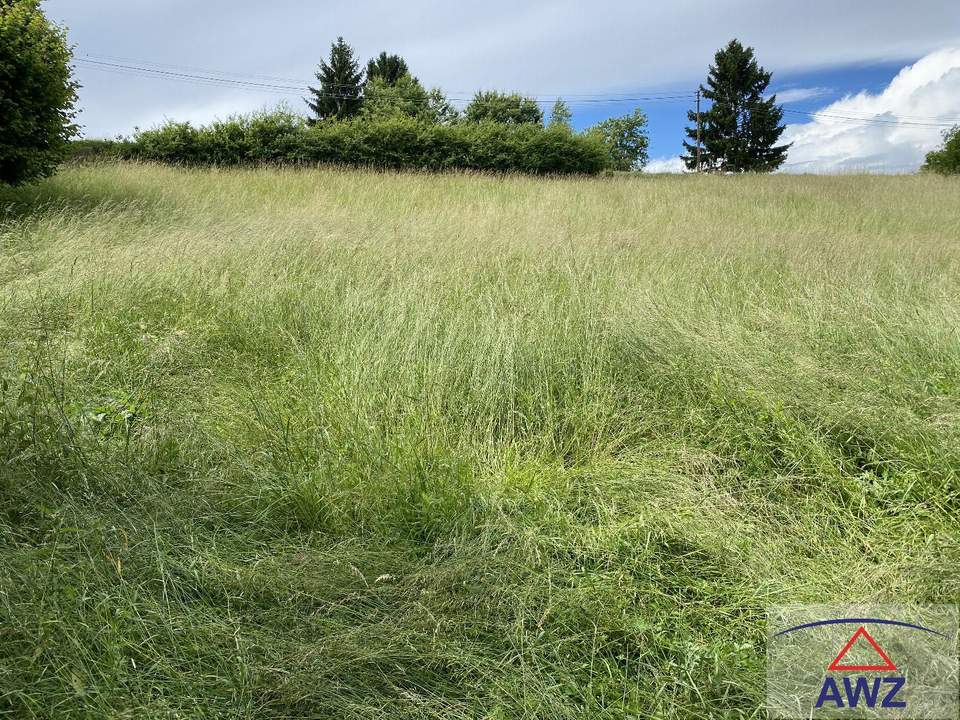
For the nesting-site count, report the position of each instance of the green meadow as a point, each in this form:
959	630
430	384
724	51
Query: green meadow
330	443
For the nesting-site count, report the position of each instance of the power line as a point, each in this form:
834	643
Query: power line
258	84
628	95
289	88
186	76
872	120
298	83
191	68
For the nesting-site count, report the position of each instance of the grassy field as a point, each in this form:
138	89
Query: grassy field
341	444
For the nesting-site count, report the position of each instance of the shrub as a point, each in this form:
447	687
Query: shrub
946	160
37	93
173	142
389	142
96	150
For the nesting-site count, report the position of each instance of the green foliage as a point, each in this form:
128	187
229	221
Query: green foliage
406	97
946	160
740	130
387	68
625	139
403	97
560	115
509	109
442	110
390	141
37	93
340	93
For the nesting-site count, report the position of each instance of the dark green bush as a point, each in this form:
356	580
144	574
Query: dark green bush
95	150
37	93
394	142
946	160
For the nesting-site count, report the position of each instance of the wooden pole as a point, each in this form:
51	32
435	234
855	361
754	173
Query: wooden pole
698	129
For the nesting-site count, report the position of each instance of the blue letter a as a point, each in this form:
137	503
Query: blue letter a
830	692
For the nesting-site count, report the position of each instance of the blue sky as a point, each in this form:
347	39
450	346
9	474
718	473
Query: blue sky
667	119
886	74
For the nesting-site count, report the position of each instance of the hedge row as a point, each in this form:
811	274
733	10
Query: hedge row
95	150
399	143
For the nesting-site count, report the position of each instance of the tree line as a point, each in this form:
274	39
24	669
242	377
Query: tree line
387	89
737	133
382	115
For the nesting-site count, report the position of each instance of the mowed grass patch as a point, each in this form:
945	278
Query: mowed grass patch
329	443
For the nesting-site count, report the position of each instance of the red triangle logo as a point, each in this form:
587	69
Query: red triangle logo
862	633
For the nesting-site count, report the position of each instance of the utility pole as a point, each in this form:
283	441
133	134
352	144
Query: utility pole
698	129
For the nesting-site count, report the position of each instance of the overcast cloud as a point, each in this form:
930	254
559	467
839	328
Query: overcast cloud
559	47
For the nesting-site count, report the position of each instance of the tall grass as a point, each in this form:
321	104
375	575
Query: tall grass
282	443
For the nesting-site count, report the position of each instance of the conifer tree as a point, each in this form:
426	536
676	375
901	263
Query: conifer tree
341	81
389	68
740	130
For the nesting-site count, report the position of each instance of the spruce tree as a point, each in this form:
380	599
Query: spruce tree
389	68
341	81
561	116
740	130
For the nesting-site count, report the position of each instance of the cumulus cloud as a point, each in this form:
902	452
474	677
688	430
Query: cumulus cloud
901	123
665	165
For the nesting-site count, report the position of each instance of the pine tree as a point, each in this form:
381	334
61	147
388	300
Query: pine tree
389	68
341	80
561	116
740	130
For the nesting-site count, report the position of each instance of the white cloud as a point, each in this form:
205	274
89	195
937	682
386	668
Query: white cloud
792	95
905	122
665	165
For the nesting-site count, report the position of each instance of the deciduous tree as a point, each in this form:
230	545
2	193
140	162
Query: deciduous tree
946	160
561	116
405	97
625	139
37	93
512	109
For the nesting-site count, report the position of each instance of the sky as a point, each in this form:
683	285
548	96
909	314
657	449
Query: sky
883	76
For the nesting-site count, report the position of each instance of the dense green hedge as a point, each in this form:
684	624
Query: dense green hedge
390	143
